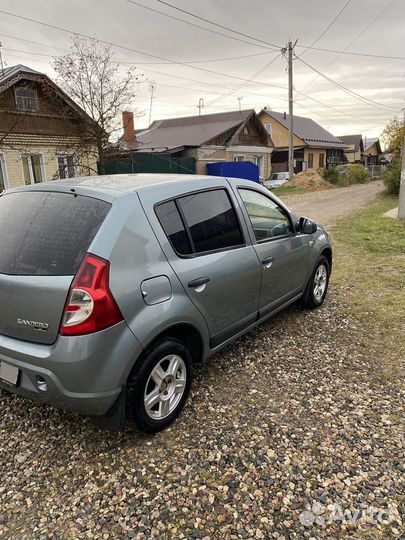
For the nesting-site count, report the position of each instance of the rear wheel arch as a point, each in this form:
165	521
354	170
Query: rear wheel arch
182	340
185	333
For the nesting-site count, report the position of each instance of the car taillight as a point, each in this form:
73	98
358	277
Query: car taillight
90	306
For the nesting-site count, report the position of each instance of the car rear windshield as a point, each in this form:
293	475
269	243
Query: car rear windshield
47	233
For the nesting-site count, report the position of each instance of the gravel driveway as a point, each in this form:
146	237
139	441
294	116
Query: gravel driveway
289	433
329	205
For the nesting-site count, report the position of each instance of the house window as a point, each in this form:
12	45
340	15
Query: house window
259	161
321	161
239	158
33	168
310	161
246	130
66	167
26	99
3	173
269	128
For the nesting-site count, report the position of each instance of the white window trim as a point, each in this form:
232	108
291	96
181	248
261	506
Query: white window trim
4	170
35	99
41	163
269	128
261	167
239	156
65	154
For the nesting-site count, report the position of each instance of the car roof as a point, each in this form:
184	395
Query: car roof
117	185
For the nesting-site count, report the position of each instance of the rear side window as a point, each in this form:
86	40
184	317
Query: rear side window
47	233
201	222
211	220
173	226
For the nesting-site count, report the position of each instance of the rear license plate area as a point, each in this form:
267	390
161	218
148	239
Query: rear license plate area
9	374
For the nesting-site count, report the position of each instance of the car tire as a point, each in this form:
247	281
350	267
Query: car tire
317	286
159	385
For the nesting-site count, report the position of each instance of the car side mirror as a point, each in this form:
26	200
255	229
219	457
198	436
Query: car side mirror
306	226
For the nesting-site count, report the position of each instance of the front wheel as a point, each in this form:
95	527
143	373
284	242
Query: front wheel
317	286
159	385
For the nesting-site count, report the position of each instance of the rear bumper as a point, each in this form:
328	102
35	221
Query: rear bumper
84	374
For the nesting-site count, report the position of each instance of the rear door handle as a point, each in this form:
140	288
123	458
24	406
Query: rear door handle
198	282
267	262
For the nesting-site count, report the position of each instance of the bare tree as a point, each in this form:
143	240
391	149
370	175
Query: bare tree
91	76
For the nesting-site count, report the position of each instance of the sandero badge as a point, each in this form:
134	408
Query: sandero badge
36	325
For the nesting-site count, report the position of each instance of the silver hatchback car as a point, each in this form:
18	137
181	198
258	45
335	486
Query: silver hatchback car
112	287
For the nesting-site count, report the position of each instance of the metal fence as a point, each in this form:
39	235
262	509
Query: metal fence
148	163
375	171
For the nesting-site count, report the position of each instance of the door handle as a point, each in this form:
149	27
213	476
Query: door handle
198	282
267	262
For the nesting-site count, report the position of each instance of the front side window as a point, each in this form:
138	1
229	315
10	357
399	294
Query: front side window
268	219
269	128
201	222
32	168
66	167
239	158
26	99
310	161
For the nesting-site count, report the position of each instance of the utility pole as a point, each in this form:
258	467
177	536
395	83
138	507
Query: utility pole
152	96
200	105
240	99
401	203
290	112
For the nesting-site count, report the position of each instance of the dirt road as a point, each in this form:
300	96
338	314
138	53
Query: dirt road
327	206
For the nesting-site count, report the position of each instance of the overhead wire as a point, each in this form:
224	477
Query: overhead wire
195	25
329	26
358	96
353	41
264	42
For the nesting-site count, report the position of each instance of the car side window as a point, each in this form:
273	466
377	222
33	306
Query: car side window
174	228
211	220
268	219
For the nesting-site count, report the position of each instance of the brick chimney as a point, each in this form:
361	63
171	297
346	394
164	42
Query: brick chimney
128	125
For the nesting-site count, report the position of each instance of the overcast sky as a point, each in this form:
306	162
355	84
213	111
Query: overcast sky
179	87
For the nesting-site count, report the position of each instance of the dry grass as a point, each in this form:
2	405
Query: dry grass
369	271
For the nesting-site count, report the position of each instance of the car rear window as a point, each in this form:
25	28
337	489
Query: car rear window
47	233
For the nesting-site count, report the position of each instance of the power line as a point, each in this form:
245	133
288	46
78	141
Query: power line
353	41
218	25
134	63
28	52
207	61
124	47
347	90
248	80
61	29
352	53
273	44
193	24
327	28
33	42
